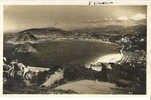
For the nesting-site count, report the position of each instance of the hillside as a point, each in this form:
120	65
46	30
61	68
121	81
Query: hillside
103	33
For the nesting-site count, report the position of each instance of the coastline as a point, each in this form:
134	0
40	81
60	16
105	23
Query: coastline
60	39
108	58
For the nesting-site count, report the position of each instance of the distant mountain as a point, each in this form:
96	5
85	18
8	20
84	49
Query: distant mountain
42	31
33	35
113	30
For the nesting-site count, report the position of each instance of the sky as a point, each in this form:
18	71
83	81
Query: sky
21	17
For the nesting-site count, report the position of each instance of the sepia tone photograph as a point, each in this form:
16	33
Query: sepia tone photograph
74	49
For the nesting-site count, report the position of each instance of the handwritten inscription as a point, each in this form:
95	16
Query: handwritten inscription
95	3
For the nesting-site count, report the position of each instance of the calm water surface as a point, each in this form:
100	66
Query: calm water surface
65	52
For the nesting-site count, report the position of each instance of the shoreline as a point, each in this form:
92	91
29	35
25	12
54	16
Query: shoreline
60	39
108	58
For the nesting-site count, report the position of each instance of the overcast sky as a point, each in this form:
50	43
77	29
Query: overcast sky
21	17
